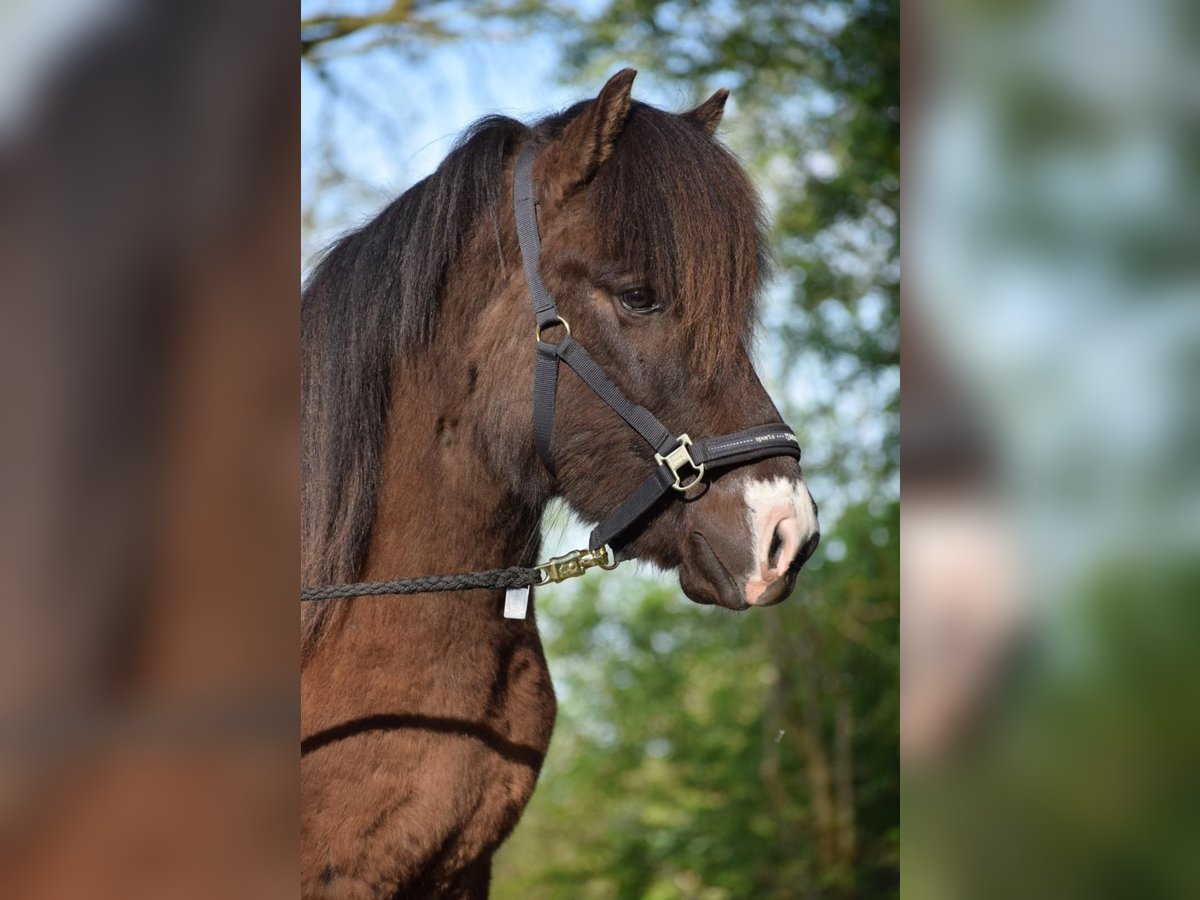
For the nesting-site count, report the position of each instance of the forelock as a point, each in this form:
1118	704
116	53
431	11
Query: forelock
673	203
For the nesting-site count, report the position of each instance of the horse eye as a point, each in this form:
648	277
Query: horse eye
639	300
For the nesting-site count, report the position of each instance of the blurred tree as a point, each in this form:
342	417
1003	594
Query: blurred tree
703	754
326	30
353	54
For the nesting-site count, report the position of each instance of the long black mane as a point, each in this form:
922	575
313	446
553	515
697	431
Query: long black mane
670	199
374	294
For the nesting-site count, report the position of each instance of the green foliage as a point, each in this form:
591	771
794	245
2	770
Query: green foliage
1088	771
682	761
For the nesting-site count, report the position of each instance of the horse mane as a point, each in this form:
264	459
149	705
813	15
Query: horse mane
670	200
374	295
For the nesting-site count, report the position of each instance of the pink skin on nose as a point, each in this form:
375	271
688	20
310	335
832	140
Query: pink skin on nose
778	519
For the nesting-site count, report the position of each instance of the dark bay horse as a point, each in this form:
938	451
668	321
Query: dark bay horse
426	719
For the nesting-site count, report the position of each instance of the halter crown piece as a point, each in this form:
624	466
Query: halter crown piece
681	461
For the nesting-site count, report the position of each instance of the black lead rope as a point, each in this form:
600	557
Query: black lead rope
681	463
494	579
557	569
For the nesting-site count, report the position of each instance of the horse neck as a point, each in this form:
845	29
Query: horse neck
441	509
453	496
454	491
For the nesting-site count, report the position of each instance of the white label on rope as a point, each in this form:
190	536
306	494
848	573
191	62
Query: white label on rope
516	602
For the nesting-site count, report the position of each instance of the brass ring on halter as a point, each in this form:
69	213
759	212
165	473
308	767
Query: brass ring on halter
557	320
611	556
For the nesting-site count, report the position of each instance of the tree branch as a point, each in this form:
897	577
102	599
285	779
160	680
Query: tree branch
322	29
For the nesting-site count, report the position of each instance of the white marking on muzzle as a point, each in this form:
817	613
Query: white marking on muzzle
784	504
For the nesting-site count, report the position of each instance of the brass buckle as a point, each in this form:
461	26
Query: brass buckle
678	459
575	563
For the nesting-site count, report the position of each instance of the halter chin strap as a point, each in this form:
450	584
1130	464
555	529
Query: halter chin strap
681	461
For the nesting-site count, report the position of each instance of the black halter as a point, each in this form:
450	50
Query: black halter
681	463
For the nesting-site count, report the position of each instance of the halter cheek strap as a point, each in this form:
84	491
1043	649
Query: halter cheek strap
680	462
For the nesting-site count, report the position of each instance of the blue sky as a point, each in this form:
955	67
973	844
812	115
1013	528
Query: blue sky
400	111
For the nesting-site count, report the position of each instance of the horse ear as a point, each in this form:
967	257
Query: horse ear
589	139
708	114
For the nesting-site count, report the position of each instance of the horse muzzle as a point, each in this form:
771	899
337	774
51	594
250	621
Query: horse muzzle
746	546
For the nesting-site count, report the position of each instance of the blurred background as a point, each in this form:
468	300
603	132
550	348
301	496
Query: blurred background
149	356
698	753
1050	721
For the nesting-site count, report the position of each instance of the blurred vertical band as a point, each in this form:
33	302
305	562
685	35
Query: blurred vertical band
148	465
1050	718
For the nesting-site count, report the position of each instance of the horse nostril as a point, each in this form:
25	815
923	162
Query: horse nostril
776	546
781	547
809	548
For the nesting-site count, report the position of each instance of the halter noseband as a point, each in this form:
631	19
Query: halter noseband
681	461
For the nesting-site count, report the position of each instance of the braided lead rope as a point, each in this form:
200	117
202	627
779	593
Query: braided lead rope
514	577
